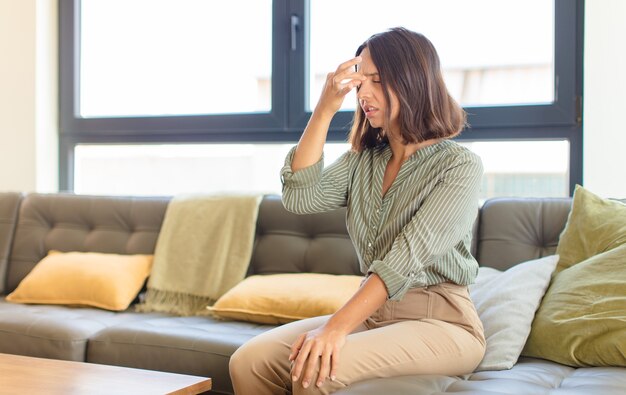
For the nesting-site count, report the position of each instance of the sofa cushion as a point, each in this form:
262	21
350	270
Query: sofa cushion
506	303
595	225
9	207
528	376
582	319
107	281
57	332
199	346
283	298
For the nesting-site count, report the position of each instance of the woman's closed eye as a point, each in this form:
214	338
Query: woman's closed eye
374	81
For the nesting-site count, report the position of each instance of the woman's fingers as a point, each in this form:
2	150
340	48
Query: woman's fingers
300	360
349	74
345	73
348	64
334	367
347	78
318	352
311	364
338	84
295	347
324	367
341	85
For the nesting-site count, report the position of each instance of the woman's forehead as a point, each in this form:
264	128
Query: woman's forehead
367	66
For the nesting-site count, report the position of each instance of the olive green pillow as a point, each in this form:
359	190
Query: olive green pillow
582	318
595	225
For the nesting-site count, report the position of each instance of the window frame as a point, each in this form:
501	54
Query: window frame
561	119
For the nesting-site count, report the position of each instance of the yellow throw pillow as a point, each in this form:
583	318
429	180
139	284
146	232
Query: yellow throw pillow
282	298
582	318
594	226
107	281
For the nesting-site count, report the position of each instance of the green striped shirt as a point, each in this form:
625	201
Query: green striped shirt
420	232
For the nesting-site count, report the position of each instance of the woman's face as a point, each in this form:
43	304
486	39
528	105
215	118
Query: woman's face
372	98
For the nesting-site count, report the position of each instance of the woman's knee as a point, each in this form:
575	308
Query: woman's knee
238	360
244	358
257	355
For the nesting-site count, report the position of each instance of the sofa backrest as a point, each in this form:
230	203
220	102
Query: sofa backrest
291	243
507	231
66	222
9	206
284	243
515	230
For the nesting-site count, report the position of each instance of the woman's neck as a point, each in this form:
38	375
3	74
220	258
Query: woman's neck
401	152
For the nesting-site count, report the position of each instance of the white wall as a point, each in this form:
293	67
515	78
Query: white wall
28	95
47	102
28	144
604	128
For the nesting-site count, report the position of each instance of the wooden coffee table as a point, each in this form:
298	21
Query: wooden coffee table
28	375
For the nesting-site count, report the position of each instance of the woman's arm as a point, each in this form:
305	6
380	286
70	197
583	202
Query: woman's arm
326	341
309	195
307	186
337	86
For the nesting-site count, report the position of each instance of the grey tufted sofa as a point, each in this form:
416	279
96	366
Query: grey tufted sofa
508	231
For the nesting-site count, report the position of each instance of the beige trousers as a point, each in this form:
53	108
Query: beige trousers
432	330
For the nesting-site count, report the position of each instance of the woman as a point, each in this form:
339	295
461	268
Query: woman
411	197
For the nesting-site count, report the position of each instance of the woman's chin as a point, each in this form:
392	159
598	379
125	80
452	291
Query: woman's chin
375	124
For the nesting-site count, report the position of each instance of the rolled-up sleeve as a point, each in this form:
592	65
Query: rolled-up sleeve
303	178
315	188
440	223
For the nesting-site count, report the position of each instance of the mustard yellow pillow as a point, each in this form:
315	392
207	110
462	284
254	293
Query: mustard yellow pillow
107	281
282	298
595	225
582	318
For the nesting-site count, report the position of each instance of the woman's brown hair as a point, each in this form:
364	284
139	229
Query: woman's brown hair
408	65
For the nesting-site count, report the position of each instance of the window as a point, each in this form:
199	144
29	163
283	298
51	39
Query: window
241	74
174	58
168	169
512	63
509	172
192	168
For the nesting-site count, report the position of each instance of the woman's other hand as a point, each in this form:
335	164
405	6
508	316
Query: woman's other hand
322	344
337	86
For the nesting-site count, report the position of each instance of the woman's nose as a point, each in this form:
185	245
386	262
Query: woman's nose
364	91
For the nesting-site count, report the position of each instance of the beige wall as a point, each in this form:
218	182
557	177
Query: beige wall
28	98
28	144
604	169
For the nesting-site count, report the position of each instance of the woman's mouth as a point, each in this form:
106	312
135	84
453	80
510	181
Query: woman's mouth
369	111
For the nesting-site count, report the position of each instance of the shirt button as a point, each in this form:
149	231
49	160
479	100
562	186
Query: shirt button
369	245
